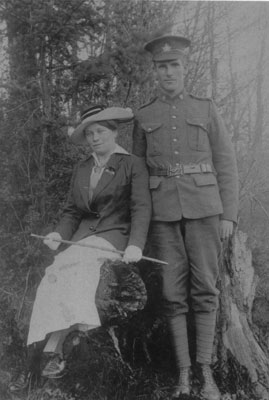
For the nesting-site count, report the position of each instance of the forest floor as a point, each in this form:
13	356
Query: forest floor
97	371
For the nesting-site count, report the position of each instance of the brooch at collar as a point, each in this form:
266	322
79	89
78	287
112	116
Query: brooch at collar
110	170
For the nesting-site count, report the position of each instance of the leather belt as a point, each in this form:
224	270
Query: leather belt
181	169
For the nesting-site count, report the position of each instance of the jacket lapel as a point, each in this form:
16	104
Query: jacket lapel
84	179
107	176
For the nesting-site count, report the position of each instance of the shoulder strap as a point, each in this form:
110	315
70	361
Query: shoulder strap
200	98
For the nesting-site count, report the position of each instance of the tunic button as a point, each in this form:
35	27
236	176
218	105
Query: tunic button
91	228
174	140
177	164
174	116
177	176
174	107
97	215
176	152
149	129
174	128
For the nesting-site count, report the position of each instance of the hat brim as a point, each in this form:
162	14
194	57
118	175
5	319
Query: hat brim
112	113
169	56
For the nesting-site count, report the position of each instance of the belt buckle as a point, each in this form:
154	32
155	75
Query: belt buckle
173	171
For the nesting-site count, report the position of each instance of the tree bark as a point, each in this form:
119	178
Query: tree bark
237	291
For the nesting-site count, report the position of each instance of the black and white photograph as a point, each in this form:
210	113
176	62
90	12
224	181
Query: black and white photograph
134	200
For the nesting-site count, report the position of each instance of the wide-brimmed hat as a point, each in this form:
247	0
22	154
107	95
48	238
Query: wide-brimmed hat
99	113
167	47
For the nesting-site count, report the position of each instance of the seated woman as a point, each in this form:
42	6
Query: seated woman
108	206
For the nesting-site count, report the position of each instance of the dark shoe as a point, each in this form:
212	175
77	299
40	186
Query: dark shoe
54	367
184	383
21	382
210	390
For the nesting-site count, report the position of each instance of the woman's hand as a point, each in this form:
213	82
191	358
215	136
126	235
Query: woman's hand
132	254
49	240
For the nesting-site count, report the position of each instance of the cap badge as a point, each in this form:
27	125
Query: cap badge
166	47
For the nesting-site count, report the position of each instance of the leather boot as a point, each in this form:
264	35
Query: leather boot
210	390
21	381
184	383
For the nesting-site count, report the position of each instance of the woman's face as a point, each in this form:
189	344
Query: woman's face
100	138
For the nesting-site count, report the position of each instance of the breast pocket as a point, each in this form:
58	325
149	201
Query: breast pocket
197	134
153	135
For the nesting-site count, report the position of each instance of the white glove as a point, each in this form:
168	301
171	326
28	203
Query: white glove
49	240
132	254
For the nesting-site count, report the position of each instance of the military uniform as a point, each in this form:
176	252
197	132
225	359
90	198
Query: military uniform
187	132
193	184
192	177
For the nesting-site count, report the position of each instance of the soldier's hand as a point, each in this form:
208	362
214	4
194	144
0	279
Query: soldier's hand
226	229
49	240
132	254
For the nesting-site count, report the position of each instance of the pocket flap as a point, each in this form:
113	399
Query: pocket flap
205	179
150	127
200	123
154	182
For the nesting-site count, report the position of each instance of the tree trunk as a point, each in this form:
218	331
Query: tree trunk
237	290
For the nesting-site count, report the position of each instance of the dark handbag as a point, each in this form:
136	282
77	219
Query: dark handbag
120	293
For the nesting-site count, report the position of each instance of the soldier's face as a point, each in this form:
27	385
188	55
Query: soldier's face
170	75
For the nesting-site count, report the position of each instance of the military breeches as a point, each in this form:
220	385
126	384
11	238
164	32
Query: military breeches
191	248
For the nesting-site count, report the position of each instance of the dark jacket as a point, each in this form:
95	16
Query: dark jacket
187	130
120	209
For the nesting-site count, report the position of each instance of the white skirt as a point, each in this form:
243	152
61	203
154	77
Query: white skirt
66	294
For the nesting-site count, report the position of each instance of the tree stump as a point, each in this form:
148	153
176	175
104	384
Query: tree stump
235	337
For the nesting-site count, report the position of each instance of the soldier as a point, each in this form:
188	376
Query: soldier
194	188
